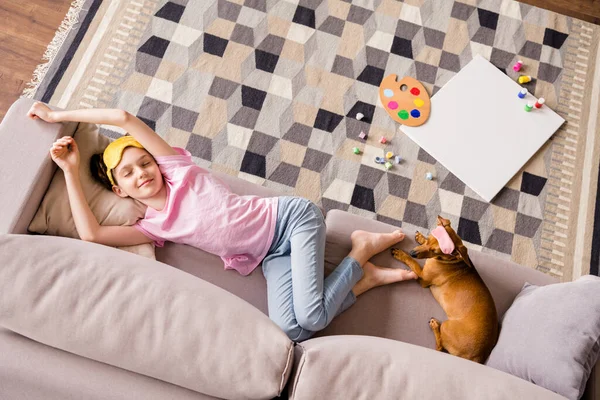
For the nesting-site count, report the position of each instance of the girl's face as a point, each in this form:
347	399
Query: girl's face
137	175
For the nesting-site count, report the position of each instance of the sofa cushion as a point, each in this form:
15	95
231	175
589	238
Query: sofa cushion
209	267
551	335
30	370
363	367
140	315
54	214
401	311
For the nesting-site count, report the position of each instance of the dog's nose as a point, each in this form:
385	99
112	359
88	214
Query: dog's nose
413	253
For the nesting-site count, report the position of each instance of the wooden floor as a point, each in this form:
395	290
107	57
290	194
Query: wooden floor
27	26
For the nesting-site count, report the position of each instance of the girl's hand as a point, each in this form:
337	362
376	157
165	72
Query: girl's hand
65	154
41	111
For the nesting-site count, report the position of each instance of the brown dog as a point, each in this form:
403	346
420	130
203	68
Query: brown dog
471	330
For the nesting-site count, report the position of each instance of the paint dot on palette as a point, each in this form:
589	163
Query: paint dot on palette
388	93
403	114
415	91
415	113
392	105
418	102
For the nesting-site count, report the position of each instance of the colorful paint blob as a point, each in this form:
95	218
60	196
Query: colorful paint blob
403	114
418	102
388	93
392	105
415	113
415	91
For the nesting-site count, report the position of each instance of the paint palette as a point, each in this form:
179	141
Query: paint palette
406	101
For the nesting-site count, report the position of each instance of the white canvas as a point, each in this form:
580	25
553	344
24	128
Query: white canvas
479	129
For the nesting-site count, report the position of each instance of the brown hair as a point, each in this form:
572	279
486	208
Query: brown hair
99	171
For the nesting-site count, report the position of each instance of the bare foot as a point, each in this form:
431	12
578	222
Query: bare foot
366	244
378	276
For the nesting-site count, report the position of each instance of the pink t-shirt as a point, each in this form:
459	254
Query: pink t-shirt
201	211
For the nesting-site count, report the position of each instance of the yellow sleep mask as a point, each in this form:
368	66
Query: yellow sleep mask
114	151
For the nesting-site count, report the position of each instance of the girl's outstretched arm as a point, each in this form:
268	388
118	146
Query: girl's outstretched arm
65	154
151	141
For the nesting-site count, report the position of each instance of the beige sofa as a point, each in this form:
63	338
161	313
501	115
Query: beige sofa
380	348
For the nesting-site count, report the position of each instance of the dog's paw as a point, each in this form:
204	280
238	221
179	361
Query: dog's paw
420	238
434	324
399	254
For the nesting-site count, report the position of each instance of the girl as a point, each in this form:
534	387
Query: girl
186	204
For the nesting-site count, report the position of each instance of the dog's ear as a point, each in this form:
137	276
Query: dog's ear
442	221
460	247
462	250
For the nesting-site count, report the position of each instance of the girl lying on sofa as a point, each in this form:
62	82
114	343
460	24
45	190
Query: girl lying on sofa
187	204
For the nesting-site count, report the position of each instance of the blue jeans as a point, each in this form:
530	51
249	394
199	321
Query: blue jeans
300	300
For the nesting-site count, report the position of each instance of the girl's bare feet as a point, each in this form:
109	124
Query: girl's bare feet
378	276
366	244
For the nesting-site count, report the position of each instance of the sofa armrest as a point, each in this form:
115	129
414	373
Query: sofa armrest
25	164
352	367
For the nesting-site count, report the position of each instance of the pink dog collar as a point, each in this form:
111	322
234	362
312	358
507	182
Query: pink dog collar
446	244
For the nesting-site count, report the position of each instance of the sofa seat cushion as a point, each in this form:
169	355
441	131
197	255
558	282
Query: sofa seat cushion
363	367
140	315
401	311
209	267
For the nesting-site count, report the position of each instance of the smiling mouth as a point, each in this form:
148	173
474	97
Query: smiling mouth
146	182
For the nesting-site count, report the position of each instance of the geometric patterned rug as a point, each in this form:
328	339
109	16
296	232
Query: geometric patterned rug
268	91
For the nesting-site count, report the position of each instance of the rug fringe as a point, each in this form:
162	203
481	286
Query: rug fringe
60	36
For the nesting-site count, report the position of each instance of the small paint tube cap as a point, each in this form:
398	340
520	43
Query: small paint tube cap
522	93
518	65
524	79
540	102
360	116
429	176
